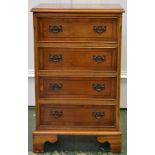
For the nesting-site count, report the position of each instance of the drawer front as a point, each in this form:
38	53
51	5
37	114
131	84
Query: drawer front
82	87
76	116
77	58
77	29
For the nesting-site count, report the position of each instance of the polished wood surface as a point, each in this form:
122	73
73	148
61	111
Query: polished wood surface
77	101
114	140
76	132
42	136
77	29
77	72
40	139
77	87
77	59
76	116
92	8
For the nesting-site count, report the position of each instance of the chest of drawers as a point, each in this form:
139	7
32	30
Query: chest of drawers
77	72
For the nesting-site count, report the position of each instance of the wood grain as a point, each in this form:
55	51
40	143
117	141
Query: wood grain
77	29
77	59
114	140
92	8
65	88
76	116
40	139
76	73
77	87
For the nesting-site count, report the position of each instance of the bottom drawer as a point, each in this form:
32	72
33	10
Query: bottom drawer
74	116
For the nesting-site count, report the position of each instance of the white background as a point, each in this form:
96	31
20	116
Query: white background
14	83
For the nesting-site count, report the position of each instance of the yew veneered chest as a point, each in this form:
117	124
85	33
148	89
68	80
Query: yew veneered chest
77	72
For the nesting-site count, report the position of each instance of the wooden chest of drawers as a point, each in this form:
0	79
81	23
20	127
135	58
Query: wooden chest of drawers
77	72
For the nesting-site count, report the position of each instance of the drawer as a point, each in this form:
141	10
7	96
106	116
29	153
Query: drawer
76	115
77	29
82	87
77	58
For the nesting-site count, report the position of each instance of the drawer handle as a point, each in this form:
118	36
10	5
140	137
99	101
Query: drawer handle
57	114
98	86
98	114
98	58
56	86
55	58
99	29
55	28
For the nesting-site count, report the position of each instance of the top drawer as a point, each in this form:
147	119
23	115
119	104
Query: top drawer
77	29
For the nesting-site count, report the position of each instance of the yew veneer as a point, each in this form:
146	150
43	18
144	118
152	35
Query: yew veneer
77	72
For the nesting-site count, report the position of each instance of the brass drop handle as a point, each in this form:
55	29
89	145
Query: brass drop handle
55	58
56	114
56	86
98	86
98	58
99	29
98	114
55	28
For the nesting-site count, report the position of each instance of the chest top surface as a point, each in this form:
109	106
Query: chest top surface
93	8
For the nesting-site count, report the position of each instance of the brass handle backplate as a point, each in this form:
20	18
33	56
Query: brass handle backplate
98	114
55	28
99	29
55	86
98	58
98	86
55	58
56	114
